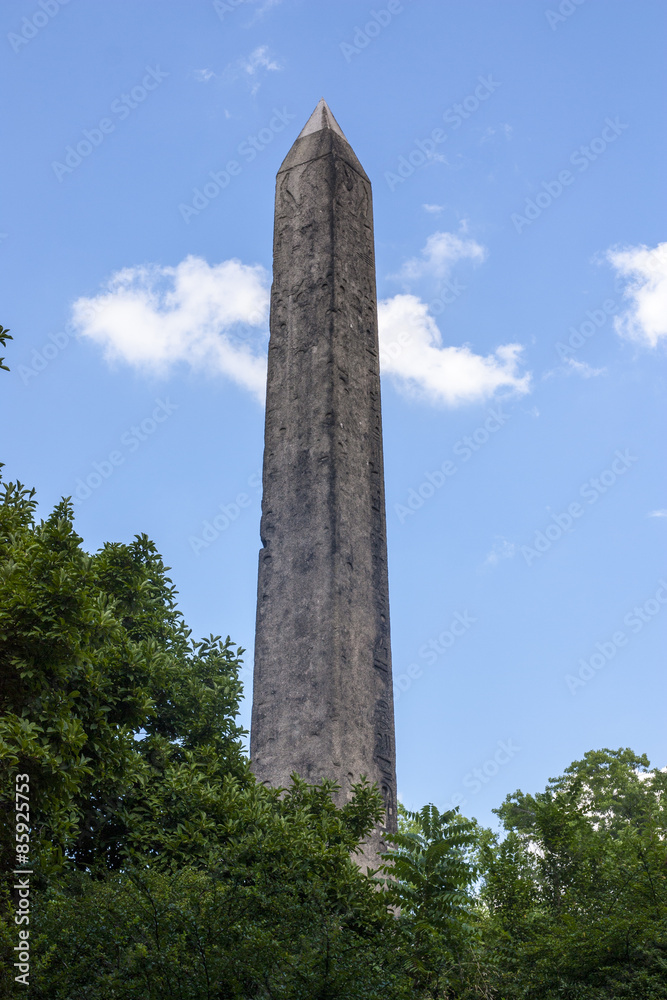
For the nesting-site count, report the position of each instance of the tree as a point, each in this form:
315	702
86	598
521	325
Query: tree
105	701
576	893
163	869
430	877
161	865
278	910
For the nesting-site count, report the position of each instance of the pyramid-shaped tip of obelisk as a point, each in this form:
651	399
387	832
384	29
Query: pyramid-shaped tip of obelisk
321	118
319	137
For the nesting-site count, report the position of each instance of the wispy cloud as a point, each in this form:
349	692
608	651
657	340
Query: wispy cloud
252	68
226	10
212	318
502	549
263	7
413	355
433	209
204	75
439	255
502	130
645	271
583	369
571	366
259	59
657	513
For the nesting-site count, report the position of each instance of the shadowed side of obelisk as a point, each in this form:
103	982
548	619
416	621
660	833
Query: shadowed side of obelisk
322	702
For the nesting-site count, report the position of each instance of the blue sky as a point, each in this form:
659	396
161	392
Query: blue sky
516	152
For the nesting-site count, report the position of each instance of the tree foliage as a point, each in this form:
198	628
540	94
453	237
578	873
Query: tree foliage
163	869
278	910
160	861
4	337
124	724
430	875
576	892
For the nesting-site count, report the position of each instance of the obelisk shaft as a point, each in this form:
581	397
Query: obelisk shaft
322	702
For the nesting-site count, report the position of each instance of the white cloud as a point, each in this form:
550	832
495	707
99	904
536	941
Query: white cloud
155	317
433	209
259	59
437	258
411	352
204	75
502	549
657	513
214	319
645	270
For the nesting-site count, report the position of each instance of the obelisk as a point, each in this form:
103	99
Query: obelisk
322	699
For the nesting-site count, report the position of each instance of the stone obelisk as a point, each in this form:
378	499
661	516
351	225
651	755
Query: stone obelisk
322	701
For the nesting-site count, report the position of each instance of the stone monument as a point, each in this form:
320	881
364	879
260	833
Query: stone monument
322	700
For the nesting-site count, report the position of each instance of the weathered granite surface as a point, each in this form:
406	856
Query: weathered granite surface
322	702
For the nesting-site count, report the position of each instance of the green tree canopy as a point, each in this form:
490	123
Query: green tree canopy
124	724
576	892
163	868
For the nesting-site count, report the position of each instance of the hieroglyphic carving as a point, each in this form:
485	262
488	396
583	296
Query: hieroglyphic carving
384	751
